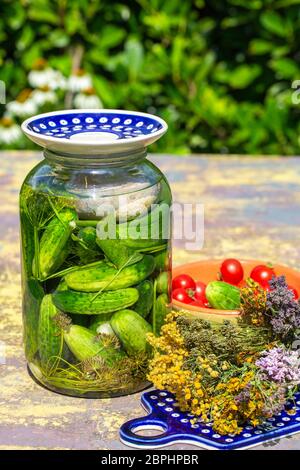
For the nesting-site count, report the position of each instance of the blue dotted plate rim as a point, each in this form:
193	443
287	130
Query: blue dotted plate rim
163	414
132	125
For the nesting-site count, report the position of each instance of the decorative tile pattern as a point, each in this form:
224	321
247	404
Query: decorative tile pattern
179	427
123	126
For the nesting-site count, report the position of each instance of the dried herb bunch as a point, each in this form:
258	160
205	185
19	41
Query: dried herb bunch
223	373
276	310
282	310
226	341
253	304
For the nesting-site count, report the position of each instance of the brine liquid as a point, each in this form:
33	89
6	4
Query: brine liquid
59	233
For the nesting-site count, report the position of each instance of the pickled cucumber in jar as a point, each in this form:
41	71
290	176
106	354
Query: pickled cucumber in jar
95	231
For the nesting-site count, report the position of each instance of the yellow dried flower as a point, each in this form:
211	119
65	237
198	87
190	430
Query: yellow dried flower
207	387
214	373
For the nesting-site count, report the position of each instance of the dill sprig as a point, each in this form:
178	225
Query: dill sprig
40	207
95	375
108	341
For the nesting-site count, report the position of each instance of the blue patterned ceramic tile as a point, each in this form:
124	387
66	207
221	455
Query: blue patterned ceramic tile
123	126
89	131
176	426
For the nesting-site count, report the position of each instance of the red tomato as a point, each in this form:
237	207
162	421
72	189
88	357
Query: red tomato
295	292
232	271
181	295
200	292
262	275
183	281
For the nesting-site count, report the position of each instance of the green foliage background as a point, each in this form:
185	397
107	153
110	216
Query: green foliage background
220	71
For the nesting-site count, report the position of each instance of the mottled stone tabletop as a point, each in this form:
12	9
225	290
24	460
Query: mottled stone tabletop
252	210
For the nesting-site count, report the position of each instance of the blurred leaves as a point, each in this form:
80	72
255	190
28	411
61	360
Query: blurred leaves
219	72
133	58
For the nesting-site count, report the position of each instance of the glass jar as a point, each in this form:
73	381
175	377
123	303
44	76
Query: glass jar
96	261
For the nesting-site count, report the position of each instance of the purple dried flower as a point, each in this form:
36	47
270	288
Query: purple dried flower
275	402
280	365
284	311
274	398
244	395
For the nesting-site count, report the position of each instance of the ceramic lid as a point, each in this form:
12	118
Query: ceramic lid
94	132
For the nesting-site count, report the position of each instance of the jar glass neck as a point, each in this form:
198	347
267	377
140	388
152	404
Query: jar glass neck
92	161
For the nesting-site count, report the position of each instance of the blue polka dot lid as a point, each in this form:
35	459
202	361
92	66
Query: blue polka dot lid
93	131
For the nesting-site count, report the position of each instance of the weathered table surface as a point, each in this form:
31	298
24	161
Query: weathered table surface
252	210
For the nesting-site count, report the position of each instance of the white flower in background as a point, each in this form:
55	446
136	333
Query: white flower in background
42	96
43	76
23	105
87	99
21	109
52	79
9	131
79	81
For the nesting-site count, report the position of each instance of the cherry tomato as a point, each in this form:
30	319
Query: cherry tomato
181	295
200	292
183	281
295	292
262	275
232	271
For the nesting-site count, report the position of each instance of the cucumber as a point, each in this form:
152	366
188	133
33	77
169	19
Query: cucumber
27	244
161	260
152	250
49	333
61	286
118	253
132	330
88	236
32	297
83	343
160	310
84	303
103	275
53	244
163	282
223	296
144	245
148	231
67	356
98	320
145	301
85	246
